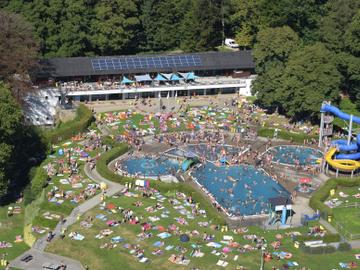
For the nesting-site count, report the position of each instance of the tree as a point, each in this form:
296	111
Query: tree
201	29
10	119
274	45
74	35
338	18
18	52
161	21
309	78
115	26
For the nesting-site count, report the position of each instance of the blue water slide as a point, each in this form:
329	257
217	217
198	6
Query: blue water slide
335	111
186	164
342	144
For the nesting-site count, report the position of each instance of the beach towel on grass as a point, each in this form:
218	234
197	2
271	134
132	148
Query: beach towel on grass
101	217
292	264
158	244
214	245
117	239
164	235
344	265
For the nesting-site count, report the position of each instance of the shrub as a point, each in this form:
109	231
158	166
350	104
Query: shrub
66	130
328	238
344	246
285	135
319	250
38	182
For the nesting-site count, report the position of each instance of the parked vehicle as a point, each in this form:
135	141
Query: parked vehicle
231	43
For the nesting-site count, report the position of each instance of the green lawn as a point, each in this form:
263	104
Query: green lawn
10	227
89	252
349	218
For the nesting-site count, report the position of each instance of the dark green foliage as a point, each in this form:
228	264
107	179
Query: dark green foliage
38	181
201	28
69	129
21	147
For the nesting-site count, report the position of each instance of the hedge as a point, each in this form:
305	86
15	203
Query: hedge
327	238
104	171
285	135
38	181
66	130
319	196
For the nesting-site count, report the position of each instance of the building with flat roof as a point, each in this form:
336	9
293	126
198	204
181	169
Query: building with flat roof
155	76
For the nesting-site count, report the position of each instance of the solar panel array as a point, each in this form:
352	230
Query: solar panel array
124	63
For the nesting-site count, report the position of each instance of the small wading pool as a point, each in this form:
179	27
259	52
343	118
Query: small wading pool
150	167
294	155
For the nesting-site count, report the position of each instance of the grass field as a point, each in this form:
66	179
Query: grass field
349	219
89	252
10	227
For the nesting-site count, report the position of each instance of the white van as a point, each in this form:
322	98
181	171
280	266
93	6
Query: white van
231	43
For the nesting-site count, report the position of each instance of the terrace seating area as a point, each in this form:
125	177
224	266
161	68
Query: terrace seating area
134	82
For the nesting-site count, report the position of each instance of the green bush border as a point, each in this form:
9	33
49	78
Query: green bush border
285	135
319	196
104	171
66	130
327	238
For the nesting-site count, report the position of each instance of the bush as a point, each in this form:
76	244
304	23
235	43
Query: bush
328	238
344	246
319	250
120	149
38	179
66	130
285	135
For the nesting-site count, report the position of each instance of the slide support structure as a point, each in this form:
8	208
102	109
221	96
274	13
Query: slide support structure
350	130
321	129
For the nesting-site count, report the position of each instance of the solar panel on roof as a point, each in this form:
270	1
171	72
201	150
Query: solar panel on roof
123	63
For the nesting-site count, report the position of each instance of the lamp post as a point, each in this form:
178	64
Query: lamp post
262	262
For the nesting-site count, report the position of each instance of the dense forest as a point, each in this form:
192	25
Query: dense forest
306	51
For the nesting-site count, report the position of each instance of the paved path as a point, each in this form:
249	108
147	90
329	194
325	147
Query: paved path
41	257
38	248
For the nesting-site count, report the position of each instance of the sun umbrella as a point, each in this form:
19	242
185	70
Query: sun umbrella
184	238
305	180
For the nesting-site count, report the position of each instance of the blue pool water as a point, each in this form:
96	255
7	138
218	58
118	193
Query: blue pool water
212	153
148	166
288	154
242	190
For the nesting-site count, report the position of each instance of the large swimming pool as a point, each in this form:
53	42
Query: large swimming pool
149	167
242	190
295	155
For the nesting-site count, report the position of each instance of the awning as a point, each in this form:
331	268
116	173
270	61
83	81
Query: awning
175	77
143	78
167	76
159	78
191	76
126	80
188	75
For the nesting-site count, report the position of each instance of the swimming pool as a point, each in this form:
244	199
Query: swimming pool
242	190
292	155
211	153
149	167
